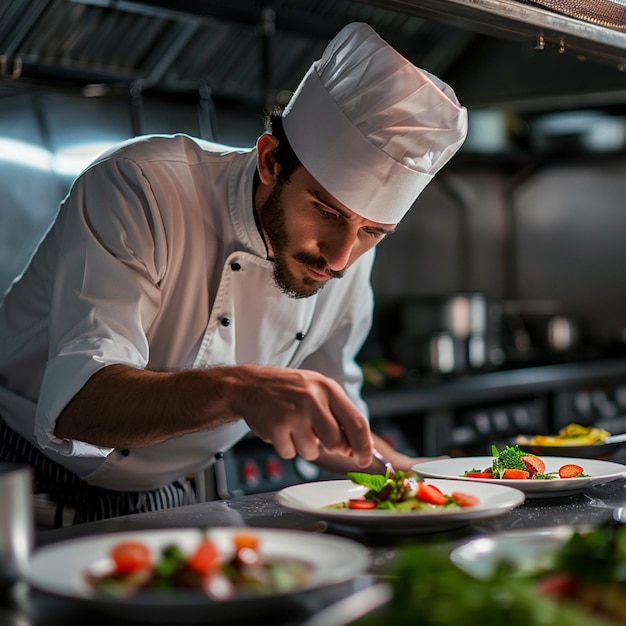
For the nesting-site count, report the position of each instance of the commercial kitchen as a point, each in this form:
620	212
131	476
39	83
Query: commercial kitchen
499	305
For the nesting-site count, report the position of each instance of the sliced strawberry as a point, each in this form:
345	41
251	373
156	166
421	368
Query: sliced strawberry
534	465
570	470
430	494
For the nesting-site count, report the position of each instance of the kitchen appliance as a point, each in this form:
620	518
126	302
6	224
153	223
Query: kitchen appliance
448	334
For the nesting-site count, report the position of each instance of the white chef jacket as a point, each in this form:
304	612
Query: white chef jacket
155	261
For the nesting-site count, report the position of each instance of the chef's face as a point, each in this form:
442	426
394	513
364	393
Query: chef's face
311	236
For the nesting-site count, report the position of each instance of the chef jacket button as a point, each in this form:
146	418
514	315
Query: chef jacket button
235	266
225	321
124	451
300	336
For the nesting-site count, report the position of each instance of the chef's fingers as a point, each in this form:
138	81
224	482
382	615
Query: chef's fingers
306	444
284	445
355	428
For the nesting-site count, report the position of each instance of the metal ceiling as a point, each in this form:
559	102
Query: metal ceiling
249	51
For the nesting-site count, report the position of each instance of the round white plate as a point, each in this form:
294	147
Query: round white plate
524	549
598	472
309	498
60	568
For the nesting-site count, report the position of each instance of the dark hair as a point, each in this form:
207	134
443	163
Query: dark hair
285	156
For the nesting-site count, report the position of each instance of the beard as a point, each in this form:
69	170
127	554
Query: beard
273	223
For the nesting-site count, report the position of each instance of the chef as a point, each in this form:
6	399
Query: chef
189	293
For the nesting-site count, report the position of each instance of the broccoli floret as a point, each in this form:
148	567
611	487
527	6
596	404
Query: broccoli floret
509	458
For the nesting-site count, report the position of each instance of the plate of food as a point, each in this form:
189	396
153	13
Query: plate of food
574	440
435	583
191	575
578	567
398	503
536	476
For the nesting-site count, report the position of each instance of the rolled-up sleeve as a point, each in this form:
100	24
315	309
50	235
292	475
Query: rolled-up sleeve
112	257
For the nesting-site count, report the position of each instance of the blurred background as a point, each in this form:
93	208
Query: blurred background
500	305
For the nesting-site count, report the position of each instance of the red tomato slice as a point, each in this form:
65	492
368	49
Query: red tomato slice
570	470
430	493
131	556
205	558
479	475
361	503
464	499
515	474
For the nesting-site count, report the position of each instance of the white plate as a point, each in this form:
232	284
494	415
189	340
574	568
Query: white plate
60	568
526	550
309	498
599	472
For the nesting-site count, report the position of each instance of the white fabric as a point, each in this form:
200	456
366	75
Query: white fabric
371	127
137	270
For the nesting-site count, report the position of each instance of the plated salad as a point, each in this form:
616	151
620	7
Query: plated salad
512	463
570	435
401	492
131	567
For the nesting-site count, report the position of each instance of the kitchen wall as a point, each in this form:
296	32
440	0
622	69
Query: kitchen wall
533	225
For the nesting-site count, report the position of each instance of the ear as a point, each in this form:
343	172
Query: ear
266	158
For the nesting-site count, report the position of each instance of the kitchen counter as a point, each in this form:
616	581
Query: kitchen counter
23	607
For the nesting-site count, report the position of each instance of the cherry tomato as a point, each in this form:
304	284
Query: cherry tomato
430	493
464	499
131	556
361	503
205	558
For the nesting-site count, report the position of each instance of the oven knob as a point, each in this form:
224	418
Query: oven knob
250	473
274	469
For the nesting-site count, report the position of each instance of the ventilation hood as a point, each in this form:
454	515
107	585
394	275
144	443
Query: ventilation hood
594	29
520	54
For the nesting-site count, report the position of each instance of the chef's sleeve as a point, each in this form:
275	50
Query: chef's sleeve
112	256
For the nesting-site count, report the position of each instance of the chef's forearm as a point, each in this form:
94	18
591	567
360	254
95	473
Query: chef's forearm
122	406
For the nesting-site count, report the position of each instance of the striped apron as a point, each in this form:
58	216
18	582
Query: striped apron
90	503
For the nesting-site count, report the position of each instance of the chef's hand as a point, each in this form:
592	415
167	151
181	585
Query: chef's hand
297	411
341	465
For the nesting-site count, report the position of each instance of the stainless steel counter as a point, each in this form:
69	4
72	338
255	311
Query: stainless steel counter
24	607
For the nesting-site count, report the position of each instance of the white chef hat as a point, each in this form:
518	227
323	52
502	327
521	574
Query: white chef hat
370	127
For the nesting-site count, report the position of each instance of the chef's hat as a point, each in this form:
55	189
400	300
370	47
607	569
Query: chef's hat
370	127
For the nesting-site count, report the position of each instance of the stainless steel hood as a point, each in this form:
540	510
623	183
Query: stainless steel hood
513	53
586	28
